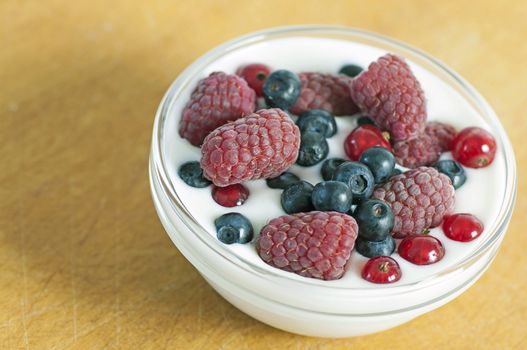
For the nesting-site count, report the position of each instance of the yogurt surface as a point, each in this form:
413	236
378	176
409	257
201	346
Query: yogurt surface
481	195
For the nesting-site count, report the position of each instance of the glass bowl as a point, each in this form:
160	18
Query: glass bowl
287	301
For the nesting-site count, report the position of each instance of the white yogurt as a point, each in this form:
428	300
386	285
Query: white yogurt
481	195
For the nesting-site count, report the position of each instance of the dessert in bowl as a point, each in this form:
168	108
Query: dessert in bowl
348	305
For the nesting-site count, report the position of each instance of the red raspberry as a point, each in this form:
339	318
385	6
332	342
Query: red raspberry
419	199
441	133
391	95
426	148
218	99
325	91
315	244
261	145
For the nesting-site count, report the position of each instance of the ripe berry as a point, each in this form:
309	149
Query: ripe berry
351	70
462	227
453	170
381	269
317	120
281	89
362	138
375	219
474	147
332	196
230	196
358	177
297	198
313	149
370	249
380	161
315	244
255	75
234	228
192	174
283	180
421	249
392	96
329	167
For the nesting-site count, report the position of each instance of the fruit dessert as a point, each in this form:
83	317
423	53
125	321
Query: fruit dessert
353	173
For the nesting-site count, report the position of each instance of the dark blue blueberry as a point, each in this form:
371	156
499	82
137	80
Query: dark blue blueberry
380	161
332	196
351	70
375	219
297	198
192	174
228	234
453	170
313	149
281	89
369	249
358	177
234	228
329	166
365	121
317	120
282	181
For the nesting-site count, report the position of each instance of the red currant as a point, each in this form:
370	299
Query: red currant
474	147
230	196
255	75
381	269
462	227
421	249
362	138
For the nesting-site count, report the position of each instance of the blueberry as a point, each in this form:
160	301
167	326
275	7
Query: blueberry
329	166
365	121
453	170
375	219
281	89
351	70
313	149
332	196
282	181
317	120
192	174
297	198
358	177
234	228
380	161
369	249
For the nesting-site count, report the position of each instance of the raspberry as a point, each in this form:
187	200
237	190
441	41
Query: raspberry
426	148
315	244
325	91
261	145
419	199
441	133
218	99
391	95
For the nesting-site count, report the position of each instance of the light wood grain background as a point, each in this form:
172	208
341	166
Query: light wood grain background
85	263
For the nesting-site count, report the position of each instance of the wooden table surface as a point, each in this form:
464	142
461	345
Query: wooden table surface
85	263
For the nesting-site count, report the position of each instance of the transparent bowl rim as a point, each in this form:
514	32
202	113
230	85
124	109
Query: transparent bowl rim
159	164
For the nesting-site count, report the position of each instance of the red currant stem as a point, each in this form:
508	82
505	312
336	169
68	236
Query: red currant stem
482	161
383	267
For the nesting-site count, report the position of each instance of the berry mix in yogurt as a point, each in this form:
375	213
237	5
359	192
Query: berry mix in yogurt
396	178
